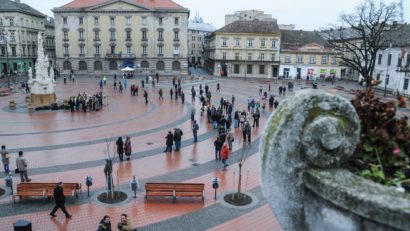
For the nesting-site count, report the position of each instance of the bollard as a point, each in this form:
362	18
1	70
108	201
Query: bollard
89	183
215	185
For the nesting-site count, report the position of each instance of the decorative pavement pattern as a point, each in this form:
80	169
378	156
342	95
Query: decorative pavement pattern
65	146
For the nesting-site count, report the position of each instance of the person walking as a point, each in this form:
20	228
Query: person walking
280	90
256	117
275	104
246	131
127	147
59	199
21	164
160	94
125	223
230	138
105	224
218	88
169	142
177	138
120	87
120	148
146	96
182	97
195	128
225	155
171	92
5	158
218	147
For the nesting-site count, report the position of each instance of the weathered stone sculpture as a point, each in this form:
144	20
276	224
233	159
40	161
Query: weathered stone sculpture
313	129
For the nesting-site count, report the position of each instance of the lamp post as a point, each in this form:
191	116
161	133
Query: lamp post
387	70
7	72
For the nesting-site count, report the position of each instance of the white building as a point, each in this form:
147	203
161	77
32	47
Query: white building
197	31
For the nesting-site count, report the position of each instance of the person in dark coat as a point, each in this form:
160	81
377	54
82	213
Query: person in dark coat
218	147
120	148
146	96
59	199
171	93
177	138
127	147
182	97
169	142
105	224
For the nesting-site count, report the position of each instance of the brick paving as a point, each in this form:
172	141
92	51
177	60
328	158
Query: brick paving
60	145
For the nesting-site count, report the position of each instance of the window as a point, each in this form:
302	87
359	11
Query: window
113	65
262	57
160	35
399	61
81	35
176	35
129	50
145	64
128	19
160	21
176	21
82	66
378	76
112	50
112	35
128	34
236	56
3	51
24	51
273	57
324	59
250	41
112	21
176	50
274	43
160	66
287	59
65	20
263	43
237	42
224	55
408	60
65	35
236	68
224	42
389	60
144	49
96	21
249	56
65	49
67	65
193	38
12	36
176	66
262	69
97	35
249	69
299	59
406	84
1	22
97	66
286	73
379	61
81	50
144	20
97	49
81	20
144	35
334	60
312	59
160	49
13	51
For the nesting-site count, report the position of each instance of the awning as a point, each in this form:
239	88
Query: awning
127	69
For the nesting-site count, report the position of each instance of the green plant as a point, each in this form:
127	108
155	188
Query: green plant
383	152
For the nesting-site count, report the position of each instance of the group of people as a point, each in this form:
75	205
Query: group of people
86	102
124	224
124	147
173	138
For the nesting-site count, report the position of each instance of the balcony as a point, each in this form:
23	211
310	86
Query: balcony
81	39
129	56
128	39
176	52
97	39
113	56
144	40
112	39
65	40
176	39
65	55
97	56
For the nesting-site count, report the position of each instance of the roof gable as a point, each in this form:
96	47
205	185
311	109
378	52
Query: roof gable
149	4
311	47
118	5
12	6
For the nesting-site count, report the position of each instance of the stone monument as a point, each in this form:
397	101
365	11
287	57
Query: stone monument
42	85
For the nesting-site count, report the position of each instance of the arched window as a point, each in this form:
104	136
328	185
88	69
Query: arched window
82	66
145	64
113	65
176	66
66	65
160	66
97	65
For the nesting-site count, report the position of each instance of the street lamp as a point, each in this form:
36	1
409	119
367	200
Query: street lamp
7	72
387	71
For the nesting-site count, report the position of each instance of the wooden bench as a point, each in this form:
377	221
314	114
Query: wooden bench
4	92
45	190
174	190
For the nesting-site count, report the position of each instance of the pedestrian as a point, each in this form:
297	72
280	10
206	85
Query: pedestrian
125	223
146	96
127	147
217	88
276	103
120	88
195	128
230	138
271	101
21	164
256	117
225	155
125	83
5	158
160	94
182	97
171	93
177	138
284	90
59	199
233	100
65	79
169	142
120	148
72	78
260	90
236	119
280	90
246	132
115	84
101	84
157	77
105	224
193	114
142	83
218	147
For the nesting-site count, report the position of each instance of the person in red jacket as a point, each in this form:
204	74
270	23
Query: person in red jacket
225	155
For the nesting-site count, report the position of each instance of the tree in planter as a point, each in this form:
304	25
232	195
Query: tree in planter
361	35
108	169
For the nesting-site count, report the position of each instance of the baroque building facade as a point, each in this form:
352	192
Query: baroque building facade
245	49
100	37
19	28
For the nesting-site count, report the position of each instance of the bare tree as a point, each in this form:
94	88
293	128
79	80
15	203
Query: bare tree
361	35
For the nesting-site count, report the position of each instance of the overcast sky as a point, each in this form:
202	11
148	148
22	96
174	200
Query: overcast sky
306	15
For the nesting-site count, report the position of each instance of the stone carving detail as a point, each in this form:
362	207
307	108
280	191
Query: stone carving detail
313	129
43	83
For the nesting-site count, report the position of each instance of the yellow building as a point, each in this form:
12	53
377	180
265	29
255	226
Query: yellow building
103	36
247	49
307	54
